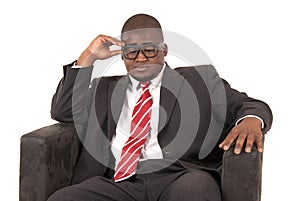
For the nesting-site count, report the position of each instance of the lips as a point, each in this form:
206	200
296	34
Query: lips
141	68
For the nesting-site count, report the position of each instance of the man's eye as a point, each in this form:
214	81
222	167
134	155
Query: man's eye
149	50
132	52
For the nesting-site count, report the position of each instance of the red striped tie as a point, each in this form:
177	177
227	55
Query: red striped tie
140	127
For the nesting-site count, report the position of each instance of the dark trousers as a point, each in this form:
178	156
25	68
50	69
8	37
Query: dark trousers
174	183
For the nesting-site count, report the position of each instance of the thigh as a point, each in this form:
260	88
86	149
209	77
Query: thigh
195	185
100	189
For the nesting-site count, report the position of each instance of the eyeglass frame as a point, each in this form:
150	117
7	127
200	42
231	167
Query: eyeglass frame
140	49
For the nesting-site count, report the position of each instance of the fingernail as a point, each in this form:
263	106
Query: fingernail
237	151
248	150
225	147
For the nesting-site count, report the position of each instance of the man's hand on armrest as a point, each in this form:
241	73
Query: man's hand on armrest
248	131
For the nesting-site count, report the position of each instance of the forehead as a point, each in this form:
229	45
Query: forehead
141	36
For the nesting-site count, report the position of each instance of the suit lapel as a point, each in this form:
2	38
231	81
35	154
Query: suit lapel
170	88
116	95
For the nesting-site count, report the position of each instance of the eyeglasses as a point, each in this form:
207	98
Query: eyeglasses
149	50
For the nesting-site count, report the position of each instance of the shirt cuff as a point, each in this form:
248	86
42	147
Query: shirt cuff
77	66
250	115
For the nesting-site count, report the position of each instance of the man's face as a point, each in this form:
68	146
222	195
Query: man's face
144	54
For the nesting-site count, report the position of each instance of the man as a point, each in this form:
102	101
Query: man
148	135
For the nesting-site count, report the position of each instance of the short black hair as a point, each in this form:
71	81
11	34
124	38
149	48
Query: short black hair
141	21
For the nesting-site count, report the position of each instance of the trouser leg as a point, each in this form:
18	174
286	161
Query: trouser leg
195	185
174	183
101	189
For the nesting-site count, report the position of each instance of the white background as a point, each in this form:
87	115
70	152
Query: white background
254	45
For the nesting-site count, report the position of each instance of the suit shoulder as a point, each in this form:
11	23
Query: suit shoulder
191	69
204	70
108	78
103	81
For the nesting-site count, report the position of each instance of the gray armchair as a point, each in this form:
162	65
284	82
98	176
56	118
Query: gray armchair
49	154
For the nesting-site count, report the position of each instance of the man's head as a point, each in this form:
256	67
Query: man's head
144	50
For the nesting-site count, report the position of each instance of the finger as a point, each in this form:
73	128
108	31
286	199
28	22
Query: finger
239	143
107	43
100	41
104	40
229	139
115	41
115	52
259	144
249	144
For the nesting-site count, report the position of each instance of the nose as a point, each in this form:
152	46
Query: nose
141	57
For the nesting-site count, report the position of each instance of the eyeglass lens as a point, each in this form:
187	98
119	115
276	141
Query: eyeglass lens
149	51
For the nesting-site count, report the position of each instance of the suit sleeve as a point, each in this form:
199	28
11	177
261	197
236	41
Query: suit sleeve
70	96
235	104
240	105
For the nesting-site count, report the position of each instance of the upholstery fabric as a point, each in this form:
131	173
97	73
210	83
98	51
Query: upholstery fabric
48	156
241	176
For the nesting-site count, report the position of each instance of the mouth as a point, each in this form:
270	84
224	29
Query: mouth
141	68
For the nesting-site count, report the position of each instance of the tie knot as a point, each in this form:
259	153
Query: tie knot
144	84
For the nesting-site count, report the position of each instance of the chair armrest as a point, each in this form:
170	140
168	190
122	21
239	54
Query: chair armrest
48	156
241	175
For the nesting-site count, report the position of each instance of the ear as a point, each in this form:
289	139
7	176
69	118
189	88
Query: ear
165	49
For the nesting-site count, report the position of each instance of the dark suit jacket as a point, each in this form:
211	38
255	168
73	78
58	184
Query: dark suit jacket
198	109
